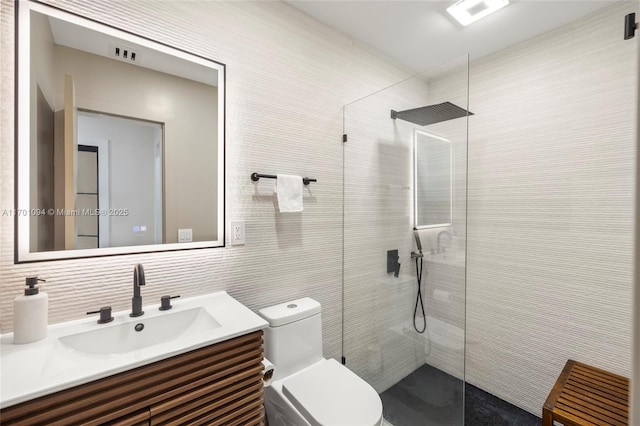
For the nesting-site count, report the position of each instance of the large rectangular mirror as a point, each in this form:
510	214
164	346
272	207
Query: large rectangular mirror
120	141
432	173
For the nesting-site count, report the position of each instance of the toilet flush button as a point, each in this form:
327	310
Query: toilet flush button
292	305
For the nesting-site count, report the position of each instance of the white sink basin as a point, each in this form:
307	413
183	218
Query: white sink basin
81	351
123	338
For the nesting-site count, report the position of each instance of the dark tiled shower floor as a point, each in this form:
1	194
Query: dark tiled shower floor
430	397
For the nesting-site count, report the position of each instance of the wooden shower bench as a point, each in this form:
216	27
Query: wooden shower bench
585	395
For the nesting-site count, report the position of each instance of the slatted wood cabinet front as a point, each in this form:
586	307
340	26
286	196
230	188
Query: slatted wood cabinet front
216	385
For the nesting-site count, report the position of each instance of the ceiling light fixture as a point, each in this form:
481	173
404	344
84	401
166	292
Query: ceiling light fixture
469	11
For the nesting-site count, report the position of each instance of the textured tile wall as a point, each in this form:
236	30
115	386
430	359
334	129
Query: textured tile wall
380	342
551	170
288	78
550	217
551	207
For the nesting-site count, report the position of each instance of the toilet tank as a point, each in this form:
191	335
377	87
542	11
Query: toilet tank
293	339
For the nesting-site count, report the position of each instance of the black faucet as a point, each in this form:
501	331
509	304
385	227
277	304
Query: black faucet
136	301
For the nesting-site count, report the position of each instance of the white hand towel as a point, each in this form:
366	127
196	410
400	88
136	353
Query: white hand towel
289	190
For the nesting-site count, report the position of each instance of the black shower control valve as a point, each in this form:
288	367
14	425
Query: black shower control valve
105	314
392	262
165	302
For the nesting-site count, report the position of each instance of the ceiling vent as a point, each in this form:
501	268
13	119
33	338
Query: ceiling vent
124	53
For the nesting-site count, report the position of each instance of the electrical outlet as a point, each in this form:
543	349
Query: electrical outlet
237	232
185	235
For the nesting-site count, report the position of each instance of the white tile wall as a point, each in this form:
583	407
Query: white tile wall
288	78
380	342
551	205
550	195
550	217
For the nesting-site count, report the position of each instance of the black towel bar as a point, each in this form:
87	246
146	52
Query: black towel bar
256	177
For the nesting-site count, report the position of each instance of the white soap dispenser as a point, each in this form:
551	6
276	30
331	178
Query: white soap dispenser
30	314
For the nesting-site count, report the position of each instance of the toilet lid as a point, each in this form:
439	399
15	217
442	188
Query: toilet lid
329	394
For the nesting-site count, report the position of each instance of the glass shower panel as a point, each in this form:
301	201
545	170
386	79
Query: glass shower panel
406	155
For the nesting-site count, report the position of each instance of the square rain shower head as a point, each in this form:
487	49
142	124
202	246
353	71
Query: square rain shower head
431	114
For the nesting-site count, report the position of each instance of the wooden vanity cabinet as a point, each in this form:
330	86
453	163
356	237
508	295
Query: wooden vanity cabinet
139	418
219	384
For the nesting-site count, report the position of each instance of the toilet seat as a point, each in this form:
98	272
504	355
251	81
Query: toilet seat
329	394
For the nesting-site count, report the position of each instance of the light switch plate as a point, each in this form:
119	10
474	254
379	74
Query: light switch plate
236	231
185	235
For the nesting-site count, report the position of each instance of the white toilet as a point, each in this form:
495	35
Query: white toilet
306	388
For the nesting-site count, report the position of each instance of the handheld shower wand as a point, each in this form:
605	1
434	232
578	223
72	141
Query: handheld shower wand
419	302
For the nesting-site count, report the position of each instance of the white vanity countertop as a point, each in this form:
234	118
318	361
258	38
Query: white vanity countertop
32	370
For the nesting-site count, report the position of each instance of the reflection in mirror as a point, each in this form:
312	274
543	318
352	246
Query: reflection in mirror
120	141
131	153
432	173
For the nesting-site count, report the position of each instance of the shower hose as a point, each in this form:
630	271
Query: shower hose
419	300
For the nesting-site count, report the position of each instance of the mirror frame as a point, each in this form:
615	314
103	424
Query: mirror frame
418	132
22	136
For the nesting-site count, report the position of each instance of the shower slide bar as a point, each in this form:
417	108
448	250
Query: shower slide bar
256	177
